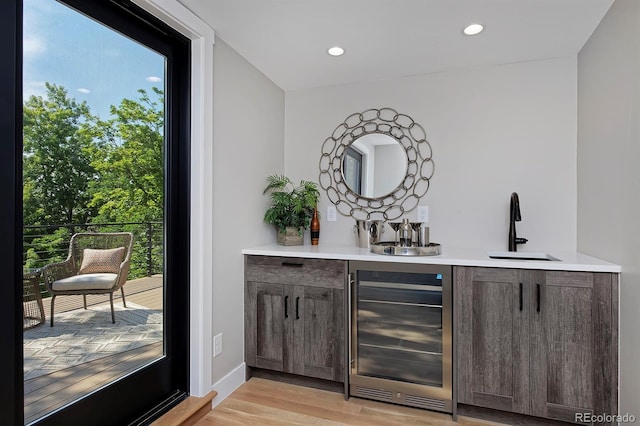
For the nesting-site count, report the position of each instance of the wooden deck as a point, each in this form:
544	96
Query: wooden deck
47	393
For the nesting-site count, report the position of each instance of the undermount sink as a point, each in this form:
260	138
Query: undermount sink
521	255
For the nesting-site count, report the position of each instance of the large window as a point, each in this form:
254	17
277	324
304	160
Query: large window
99	230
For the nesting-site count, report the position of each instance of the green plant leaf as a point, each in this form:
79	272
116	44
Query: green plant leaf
290	205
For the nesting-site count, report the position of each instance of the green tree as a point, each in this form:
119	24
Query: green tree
80	169
50	245
131	169
57	163
129	158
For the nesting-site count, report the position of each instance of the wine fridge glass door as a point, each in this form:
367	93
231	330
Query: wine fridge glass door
401	329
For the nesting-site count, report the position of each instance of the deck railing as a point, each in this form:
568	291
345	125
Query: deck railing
50	243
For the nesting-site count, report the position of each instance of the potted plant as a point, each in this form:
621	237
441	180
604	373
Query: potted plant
291	207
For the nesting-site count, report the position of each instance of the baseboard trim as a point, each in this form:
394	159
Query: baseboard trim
229	383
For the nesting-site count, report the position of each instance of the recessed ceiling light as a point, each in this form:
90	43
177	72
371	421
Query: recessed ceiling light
473	29
335	51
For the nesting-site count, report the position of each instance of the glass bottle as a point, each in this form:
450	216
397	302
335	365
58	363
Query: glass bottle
315	228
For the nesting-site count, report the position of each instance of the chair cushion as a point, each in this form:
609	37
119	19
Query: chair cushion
98	261
85	282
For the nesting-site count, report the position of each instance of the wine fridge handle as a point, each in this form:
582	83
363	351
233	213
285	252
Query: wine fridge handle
351	313
348	352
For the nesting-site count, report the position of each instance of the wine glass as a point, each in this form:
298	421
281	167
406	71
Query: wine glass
395	226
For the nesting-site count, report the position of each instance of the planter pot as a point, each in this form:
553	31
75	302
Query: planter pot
291	237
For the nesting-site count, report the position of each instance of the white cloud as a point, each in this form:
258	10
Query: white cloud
32	46
83	90
153	79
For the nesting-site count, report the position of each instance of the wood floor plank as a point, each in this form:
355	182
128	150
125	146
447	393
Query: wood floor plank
254	413
267	402
277	406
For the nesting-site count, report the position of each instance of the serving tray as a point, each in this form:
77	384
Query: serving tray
392	249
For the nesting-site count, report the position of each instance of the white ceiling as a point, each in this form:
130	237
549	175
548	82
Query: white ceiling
288	39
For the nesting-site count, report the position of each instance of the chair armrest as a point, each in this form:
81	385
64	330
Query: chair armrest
57	271
123	274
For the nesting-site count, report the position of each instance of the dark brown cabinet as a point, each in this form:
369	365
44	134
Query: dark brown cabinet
294	315
541	343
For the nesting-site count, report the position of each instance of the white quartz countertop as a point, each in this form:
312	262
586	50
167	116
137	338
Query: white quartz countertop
569	261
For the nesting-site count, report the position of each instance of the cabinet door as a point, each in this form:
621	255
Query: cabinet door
574	345
264	326
318	330
492	337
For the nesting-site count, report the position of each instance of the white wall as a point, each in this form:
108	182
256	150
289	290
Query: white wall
608	171
493	130
248	135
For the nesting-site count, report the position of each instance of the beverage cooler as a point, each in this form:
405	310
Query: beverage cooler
400	333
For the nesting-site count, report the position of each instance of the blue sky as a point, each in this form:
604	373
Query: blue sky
95	64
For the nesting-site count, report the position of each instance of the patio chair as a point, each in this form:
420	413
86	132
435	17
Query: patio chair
98	263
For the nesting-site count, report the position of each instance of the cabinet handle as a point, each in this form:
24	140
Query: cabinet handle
286	304
292	265
521	296
297	308
537	297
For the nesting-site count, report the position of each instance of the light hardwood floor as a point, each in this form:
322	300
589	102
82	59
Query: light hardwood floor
266	402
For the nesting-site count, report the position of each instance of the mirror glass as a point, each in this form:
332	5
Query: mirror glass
374	165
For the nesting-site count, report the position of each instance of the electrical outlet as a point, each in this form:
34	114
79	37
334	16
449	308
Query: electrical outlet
423	213
331	214
217	344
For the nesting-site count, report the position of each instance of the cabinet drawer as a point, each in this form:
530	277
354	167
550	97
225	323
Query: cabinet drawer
298	271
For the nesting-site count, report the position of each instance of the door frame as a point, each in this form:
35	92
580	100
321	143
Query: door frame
202	38
178	17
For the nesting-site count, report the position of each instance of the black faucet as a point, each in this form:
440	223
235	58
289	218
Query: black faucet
514	216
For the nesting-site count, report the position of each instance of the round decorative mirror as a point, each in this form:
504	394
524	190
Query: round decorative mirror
376	165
